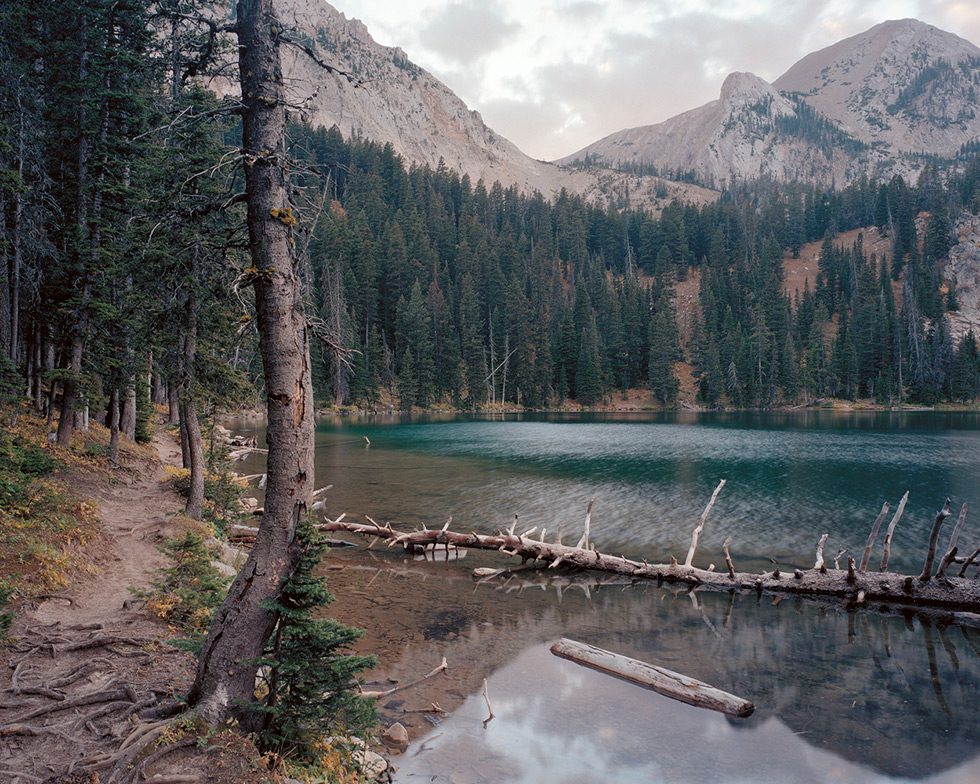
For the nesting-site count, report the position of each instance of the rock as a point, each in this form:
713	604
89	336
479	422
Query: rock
963	270
372	765
396	737
225	569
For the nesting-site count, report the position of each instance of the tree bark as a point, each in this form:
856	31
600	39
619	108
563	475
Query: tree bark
192	423
114	424
69	392
225	682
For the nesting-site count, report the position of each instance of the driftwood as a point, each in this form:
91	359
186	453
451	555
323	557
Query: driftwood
891	530
696	534
958	593
952	549
869	545
659	679
933	540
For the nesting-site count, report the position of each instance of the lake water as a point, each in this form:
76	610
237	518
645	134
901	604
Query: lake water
841	696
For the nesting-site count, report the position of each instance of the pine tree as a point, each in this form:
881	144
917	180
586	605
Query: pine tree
664	350
309	671
588	369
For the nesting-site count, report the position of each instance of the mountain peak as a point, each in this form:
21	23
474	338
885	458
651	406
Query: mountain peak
740	85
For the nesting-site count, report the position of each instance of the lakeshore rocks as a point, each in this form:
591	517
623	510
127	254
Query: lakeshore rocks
396	737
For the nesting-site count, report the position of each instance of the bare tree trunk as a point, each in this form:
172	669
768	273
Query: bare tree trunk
114	424
225	682
192	423
18	256
69	392
174	415
185	451
194	507
128	420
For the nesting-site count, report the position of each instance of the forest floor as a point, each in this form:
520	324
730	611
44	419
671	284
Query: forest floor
80	663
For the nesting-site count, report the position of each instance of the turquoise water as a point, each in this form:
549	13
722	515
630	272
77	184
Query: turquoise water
790	477
841	696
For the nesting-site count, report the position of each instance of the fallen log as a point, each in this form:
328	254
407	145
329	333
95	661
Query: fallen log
879	587
659	679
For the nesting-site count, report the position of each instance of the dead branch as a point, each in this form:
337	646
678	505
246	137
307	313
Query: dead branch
869	545
443	667
486	697
819	563
884	588
728	557
951	551
696	534
887	547
659	679
933	540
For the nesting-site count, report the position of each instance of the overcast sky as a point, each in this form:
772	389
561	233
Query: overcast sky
555	75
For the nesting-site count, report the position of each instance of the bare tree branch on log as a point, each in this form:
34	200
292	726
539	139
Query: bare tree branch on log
883	588
952	549
696	534
933	540
872	536
887	546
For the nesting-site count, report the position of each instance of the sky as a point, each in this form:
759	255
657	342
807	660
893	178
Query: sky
555	75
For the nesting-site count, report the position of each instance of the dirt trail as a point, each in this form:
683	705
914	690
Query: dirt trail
135	513
82	667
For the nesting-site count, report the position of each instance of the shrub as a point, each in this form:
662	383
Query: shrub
310	673
186	593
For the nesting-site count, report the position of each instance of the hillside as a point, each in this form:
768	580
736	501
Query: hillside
394	101
873	103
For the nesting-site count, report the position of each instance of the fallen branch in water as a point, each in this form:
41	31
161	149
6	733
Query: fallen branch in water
443	667
882	587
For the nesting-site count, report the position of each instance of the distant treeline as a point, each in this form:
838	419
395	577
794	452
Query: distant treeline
448	292
125	274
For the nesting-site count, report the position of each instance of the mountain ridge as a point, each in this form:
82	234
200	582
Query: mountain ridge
401	103
874	103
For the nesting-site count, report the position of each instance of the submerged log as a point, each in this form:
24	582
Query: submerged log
659	679
952	592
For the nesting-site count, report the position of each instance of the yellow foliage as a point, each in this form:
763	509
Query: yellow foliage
285	216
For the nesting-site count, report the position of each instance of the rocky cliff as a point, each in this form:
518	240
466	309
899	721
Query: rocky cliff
963	270
393	100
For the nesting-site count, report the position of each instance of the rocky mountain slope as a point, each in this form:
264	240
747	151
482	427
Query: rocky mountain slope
873	102
963	271
395	101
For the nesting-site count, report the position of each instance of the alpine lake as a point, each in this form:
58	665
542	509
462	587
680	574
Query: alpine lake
841	694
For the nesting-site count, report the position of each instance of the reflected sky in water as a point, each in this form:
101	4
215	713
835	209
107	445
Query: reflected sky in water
841	697
556	721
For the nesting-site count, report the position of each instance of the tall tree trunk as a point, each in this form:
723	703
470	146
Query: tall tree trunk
225	682
6	270
127	422
69	392
194	507
185	450
114	424
173	416
18	255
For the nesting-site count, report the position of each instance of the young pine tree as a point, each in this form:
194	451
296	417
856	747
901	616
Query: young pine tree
310	673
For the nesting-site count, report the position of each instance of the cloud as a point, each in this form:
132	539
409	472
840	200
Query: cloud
556	75
466	31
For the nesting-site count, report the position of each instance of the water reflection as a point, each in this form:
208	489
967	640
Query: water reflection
850	697
840	696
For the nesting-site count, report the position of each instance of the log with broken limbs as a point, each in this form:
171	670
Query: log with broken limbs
855	586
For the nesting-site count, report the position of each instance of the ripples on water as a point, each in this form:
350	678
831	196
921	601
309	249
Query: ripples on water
791	477
851	697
